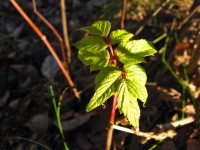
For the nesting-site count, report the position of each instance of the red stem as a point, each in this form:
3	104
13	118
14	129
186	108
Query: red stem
111	122
109	46
113	110
114	100
123	14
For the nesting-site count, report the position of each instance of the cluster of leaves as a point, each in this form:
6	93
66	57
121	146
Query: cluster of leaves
125	78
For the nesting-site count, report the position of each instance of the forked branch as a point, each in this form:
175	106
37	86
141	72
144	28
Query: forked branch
53	30
50	48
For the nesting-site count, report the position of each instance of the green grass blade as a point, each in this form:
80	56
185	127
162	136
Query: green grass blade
57	112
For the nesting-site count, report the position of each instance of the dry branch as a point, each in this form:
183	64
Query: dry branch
65	29
54	31
166	129
50	48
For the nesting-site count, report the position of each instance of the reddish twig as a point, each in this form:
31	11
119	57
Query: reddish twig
153	15
123	10
53	30
65	30
112	52
113	110
114	100
109	46
109	138
50	48
111	122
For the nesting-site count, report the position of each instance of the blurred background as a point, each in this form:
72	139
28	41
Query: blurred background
27	118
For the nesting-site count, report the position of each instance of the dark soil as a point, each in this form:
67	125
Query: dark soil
27	118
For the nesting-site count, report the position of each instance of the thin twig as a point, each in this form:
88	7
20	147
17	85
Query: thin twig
153	15
179	79
177	123
111	122
114	102
113	110
188	17
123	10
148	135
80	92
159	38
65	29
50	48
161	135
109	46
54	31
109	138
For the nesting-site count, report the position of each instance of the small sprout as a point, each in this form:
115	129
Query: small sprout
119	70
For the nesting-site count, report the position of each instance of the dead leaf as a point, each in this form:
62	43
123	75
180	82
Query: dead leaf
49	67
17	31
14	103
77	121
67	115
39	123
4	98
194	90
182	59
190	110
26	70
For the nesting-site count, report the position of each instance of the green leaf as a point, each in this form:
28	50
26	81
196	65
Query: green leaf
102	75
136	78
97	60
127	58
92	30
131	88
134	51
91	43
103	26
127	104
119	36
106	88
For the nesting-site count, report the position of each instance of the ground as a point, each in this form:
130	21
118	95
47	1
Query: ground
27	70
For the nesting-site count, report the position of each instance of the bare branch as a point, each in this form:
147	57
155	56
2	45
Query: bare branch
50	48
65	29
53	30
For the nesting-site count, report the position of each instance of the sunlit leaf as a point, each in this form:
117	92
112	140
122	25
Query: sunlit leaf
128	58
134	51
119	36
92	30
91	43
127	104
97	60
102	75
137	78
103	26
105	88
